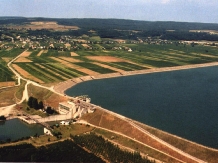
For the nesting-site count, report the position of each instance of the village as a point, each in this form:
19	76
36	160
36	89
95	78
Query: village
44	40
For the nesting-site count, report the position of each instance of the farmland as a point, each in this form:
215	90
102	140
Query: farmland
5	56
51	66
54	51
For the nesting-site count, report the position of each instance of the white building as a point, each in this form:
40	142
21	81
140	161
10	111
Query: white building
67	107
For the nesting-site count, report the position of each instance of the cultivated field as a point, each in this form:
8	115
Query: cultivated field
44	25
51	66
73	54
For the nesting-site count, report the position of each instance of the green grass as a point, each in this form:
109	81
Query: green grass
5	73
40	74
42	59
94	67
11	53
34	53
60	69
55	53
95	38
125	66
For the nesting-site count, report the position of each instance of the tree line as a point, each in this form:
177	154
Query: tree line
101	147
33	103
66	151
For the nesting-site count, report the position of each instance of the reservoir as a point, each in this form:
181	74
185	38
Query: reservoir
15	129
183	102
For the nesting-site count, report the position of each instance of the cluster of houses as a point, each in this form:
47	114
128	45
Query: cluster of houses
66	43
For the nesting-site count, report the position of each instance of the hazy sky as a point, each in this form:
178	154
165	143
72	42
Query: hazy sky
152	10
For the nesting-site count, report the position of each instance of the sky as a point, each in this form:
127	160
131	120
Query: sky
205	11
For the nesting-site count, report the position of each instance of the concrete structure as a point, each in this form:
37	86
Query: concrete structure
67	108
76	107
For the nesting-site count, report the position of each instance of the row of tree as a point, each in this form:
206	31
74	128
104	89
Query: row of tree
99	146
33	103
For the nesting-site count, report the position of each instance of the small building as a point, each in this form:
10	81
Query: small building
47	132
130	50
64	123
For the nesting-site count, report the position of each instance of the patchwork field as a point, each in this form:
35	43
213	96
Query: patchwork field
25	74
51	66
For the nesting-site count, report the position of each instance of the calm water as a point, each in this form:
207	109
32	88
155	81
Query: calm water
15	129
184	103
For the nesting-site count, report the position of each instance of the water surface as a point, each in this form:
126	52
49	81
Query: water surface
15	129
184	103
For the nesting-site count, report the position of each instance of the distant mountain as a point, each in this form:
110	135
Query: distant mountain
10	17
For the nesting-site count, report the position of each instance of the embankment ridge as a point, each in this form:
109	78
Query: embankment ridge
63	86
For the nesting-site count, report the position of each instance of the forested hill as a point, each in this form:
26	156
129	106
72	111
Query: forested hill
118	28
116	24
137	25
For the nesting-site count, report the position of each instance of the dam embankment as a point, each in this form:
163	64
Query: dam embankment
179	102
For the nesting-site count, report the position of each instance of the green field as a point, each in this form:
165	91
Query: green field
5	73
143	56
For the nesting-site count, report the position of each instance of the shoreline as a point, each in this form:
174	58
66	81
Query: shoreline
62	87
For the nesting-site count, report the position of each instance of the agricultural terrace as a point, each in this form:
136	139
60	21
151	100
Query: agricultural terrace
51	66
5	56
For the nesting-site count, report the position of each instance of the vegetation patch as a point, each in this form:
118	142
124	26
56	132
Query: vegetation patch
125	66
11	53
7	96
56	152
94	67
5	74
101	147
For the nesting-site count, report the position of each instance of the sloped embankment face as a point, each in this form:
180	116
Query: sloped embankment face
113	123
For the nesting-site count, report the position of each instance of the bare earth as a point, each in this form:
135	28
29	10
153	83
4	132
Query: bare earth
25	54
73	54
40	53
22	59
6	84
45	25
85	45
106	59
25	74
